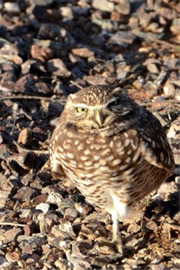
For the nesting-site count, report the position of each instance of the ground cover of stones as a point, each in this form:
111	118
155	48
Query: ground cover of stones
49	49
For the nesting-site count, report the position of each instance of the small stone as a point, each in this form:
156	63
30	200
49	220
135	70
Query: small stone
123	38
40	199
58	233
152	68
41	2
151	225
168	13
123	7
169	90
80	11
4	196
175	26
66	12
41	53
83	52
177	180
10	235
12	8
25	193
22	162
58	68
54	197
71	213
12	256
103	5
25	82
3	262
171	132
25	137
44	207
7	83
177	95
133	228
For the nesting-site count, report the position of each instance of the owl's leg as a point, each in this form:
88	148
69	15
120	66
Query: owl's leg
116	236
116	241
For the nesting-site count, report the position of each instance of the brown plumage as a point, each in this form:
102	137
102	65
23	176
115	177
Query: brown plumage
114	150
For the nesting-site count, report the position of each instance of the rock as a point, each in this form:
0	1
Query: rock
12	8
4	196
58	68
25	193
7	83
151	225
22	162
123	7
44	207
152	68
9	52
83	52
134	228
25	137
123	38
10	235
41	53
169	90
66	12
42	2
103	5
24	83
3	262
12	256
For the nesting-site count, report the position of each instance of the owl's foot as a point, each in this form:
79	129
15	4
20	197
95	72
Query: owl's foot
114	243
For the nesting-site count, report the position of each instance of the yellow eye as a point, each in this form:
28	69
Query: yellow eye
81	109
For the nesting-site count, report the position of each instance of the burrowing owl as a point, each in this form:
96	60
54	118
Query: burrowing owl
114	150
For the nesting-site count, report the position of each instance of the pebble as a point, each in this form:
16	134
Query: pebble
4	195
58	68
25	137
152	68
123	7
103	5
25	193
10	235
123	38
44	207
66	12
169	90
41	53
42	2
51	48
83	52
175	26
12	8
177	180
3	262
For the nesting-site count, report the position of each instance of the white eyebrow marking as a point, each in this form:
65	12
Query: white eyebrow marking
93	107
86	106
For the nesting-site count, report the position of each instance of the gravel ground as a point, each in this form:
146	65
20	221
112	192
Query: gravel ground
48	49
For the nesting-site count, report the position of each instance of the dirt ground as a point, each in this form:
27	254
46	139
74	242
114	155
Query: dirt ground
48	49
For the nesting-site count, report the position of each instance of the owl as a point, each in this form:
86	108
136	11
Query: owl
114	150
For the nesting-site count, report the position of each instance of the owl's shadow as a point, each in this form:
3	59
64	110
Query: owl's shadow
154	212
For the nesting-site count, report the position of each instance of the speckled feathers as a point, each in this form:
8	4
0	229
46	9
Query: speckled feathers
114	150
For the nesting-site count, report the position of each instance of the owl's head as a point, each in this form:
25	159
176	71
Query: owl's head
98	107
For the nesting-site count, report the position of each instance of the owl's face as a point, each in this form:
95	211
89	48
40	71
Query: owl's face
97	108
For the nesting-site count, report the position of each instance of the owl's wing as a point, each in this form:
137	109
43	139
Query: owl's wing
154	144
55	163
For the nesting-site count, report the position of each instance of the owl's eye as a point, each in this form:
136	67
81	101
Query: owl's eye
113	103
81	109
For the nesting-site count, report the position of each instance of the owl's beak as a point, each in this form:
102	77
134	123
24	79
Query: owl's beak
99	117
